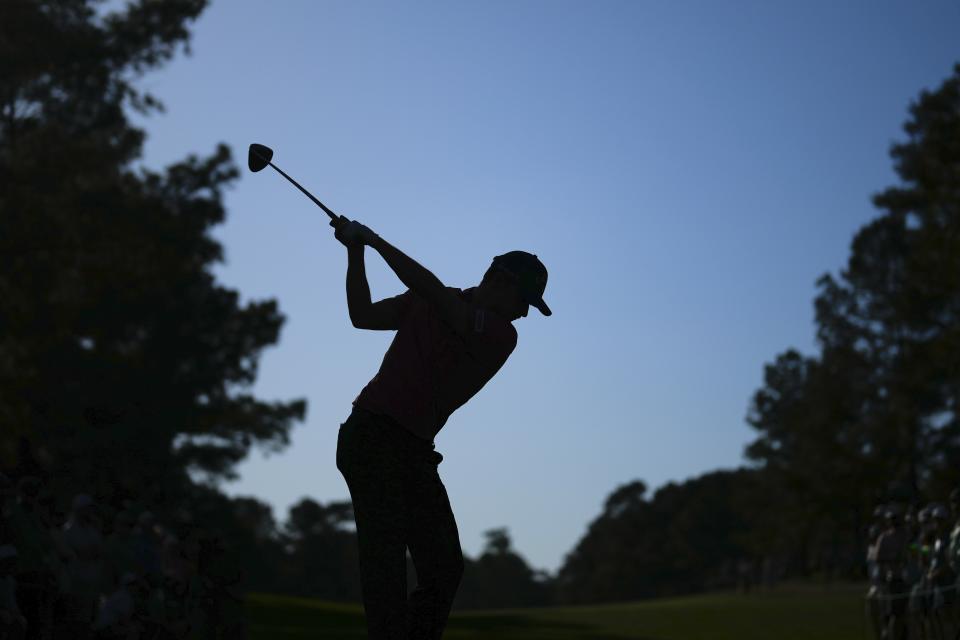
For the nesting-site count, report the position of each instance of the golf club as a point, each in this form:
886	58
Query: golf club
259	157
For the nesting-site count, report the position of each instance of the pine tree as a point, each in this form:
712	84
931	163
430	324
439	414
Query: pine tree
123	364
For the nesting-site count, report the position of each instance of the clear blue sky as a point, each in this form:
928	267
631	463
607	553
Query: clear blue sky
685	170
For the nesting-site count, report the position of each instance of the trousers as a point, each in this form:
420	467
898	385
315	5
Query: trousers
400	503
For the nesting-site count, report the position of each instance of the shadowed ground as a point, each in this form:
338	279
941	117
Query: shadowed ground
788	613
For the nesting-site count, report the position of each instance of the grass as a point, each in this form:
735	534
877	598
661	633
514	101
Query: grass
789	612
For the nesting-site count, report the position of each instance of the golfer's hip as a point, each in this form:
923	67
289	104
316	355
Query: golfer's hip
374	440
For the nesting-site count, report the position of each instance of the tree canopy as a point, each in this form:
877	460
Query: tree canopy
123	363
875	415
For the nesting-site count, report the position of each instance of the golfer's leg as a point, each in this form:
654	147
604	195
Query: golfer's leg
376	492
383	573
435	548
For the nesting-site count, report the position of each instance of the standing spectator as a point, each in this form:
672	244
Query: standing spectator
12	623
83	544
8	494
954	549
186	585
36	577
117	616
940	576
953	554
50	516
892	560
916	575
768	576
179	566
179	607
173	563
220	599
147	548
744	575
119	549
874	593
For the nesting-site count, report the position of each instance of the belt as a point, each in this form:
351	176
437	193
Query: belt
382	418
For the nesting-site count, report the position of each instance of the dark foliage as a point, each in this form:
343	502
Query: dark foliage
877	411
122	361
684	538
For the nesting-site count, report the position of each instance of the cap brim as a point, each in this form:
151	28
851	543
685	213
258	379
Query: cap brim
542	306
535	300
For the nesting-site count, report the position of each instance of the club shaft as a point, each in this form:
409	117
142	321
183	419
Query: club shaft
332	215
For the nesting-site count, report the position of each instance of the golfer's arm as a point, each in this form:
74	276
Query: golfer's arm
417	278
423	283
358	291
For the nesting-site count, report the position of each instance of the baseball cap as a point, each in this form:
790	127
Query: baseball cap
530	273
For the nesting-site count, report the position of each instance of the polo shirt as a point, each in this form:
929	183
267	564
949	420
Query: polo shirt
430	371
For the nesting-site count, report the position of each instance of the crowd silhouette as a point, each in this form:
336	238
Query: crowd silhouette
913	562
101	572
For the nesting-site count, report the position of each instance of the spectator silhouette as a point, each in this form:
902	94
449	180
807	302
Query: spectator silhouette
83	543
954	548
147	541
940	575
918	565
745	575
892	557
220	599
8	494
178	607
115	617
173	559
61	578
876	590
36	557
190	584
13	624
119	549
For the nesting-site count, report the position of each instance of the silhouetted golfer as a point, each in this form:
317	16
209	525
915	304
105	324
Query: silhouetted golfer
449	343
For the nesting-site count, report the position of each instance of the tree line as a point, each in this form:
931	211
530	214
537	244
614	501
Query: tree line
125	368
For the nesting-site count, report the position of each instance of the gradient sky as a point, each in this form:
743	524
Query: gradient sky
685	170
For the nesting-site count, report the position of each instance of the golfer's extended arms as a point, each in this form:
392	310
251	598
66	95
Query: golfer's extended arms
358	291
382	315
452	310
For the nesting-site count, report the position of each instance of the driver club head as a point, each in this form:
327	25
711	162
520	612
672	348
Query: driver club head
259	156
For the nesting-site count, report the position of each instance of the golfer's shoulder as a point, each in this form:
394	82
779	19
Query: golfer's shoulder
490	328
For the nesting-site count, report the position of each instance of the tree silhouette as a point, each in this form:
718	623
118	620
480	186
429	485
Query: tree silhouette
321	551
681	539
878	406
123	364
500	577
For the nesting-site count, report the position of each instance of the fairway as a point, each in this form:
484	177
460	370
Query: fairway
792	612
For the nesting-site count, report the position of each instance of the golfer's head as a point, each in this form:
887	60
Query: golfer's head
501	293
515	281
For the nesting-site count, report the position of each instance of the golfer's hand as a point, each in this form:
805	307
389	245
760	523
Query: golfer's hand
351	233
